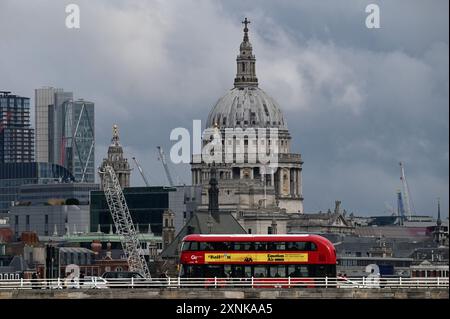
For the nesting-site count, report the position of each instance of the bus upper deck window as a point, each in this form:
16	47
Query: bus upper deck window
190	245
260	246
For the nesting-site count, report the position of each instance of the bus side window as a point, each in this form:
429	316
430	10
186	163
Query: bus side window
298	271
248	271
260	246
204	246
197	271
227	271
277	271
237	271
260	271
190	245
220	246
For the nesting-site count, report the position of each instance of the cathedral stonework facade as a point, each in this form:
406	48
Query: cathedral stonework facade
261	198
117	161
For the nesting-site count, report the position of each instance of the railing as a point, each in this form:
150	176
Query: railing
252	282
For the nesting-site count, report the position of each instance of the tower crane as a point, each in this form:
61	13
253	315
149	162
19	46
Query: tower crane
406	196
141	171
122	220
162	157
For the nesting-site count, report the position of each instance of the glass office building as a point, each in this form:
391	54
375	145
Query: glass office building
73	193
47	100
14	175
16	134
78	140
147	205
55	130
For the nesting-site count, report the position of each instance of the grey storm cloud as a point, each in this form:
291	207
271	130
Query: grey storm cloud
356	100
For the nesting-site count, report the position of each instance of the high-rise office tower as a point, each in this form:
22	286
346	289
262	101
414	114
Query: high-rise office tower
65	132
78	139
16	134
56	130
48	102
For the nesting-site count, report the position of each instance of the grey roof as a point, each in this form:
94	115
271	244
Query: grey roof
17	263
319	219
417	233
76	250
248	104
401	246
224	223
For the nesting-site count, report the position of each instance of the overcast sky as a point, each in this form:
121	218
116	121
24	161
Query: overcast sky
356	100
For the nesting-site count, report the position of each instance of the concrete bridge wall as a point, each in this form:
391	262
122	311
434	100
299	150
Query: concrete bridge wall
247	293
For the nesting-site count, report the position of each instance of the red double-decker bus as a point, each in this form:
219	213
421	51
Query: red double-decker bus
257	256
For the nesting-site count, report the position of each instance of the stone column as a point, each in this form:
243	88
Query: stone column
300	191
280	181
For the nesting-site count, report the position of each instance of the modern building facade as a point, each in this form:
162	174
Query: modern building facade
16	134
14	175
65	132
49	220
47	100
56	127
44	194
146	205
78	140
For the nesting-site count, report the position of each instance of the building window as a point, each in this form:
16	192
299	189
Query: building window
46	225
249	231
269	230
16	225
27	222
